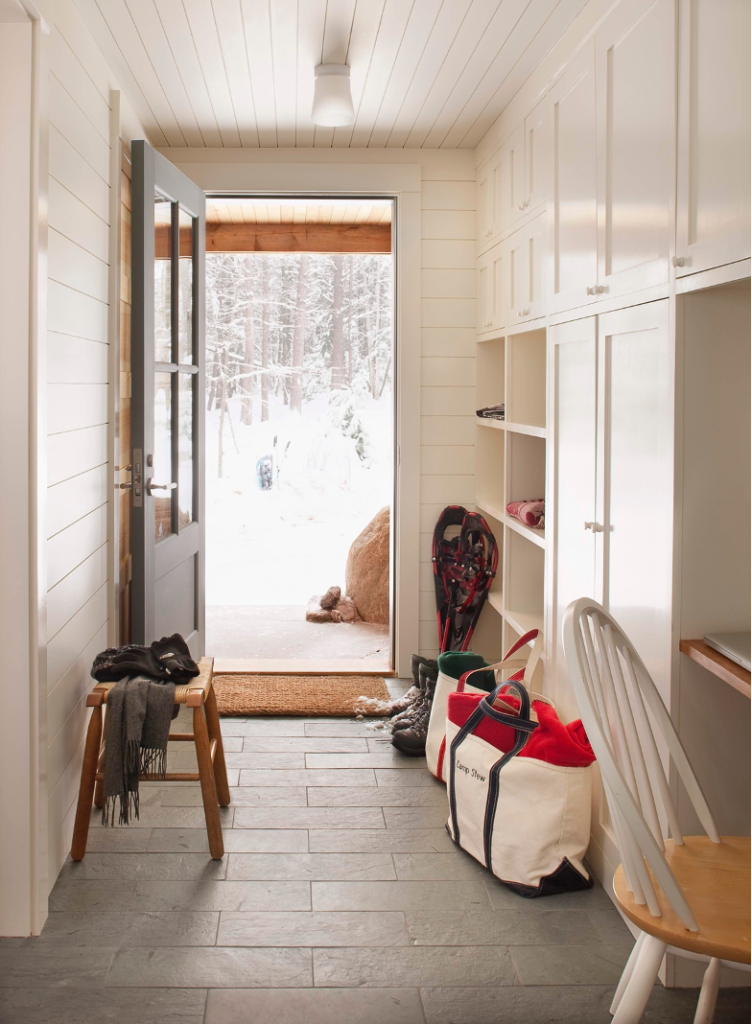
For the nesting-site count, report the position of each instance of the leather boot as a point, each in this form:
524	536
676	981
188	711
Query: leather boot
411	739
425	669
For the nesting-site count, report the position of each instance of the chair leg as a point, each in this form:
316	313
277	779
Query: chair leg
644	972
86	791
215	733
208	785
708	993
626	974
99	787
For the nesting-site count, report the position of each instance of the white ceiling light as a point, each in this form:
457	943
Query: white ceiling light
332	99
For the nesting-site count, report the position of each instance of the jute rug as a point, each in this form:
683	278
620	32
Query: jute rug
296	695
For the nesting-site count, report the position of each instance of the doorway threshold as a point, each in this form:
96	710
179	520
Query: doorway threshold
304	666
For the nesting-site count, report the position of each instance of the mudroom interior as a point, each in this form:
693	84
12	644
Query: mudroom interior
375	581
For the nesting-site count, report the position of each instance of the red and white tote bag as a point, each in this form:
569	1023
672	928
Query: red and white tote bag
516	665
519	787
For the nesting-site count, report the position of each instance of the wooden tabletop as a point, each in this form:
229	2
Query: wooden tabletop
718	664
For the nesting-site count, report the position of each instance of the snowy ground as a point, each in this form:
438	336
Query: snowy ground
279	547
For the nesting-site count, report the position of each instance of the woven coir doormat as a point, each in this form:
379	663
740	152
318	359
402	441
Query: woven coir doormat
295	695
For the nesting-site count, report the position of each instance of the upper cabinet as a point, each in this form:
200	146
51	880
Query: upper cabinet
713	206
573	211
635	103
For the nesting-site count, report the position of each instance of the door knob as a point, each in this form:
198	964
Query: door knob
159	487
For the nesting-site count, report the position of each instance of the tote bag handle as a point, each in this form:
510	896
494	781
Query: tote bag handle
528	665
523	726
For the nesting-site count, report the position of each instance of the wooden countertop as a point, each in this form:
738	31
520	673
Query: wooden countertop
718	664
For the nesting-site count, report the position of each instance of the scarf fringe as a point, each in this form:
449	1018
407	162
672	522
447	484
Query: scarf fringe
129	807
153	761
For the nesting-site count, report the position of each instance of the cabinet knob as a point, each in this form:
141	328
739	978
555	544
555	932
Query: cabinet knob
520	206
595	527
590	289
600	289
677	261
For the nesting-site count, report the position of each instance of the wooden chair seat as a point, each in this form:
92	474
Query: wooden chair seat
715	878
212	772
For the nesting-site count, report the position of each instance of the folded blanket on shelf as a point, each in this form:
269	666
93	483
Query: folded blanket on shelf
491	412
530	512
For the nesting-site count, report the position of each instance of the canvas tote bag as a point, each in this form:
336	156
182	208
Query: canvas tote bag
519	786
516	665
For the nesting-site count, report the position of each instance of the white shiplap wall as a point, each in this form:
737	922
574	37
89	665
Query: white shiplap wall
80	94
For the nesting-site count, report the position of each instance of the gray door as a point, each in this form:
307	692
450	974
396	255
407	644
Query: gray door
167	333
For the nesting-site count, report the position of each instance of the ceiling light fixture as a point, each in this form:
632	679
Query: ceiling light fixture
332	99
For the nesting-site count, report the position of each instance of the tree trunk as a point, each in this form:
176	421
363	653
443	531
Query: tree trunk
246	379
265	344
338	352
298	338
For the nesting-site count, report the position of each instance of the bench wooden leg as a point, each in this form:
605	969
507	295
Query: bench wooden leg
99	786
215	733
86	792
208	785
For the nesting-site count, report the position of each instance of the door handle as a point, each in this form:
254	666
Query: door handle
159	487
595	527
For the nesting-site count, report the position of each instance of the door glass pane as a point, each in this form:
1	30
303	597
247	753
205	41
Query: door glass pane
161	470
185	448
162	280
185	288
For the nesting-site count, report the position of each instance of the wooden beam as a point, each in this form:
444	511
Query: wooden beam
298	238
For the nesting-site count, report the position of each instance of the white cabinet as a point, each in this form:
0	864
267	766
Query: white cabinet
537	156
713	206
490	290
573	263
511	177
635	99
611	479
524	269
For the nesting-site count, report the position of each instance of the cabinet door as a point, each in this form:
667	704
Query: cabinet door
524	271
713	207
484	208
536	156
636	478
635	52
490	291
571	497
511	178
573	207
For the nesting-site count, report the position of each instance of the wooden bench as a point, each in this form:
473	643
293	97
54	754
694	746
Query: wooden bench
212	771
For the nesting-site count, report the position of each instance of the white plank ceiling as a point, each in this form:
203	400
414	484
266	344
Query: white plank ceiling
425	73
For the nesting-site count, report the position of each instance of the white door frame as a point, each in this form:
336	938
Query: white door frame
24	73
302	172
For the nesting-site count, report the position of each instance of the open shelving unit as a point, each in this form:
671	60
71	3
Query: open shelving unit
510	465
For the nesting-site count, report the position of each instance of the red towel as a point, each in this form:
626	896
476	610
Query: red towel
554	742
530	512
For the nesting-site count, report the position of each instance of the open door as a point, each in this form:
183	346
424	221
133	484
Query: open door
167	336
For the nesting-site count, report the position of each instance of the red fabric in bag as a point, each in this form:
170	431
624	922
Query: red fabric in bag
553	742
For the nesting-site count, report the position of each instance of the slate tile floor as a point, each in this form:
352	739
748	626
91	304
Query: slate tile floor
340	898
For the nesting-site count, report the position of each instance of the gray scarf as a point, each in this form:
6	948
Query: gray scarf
139	712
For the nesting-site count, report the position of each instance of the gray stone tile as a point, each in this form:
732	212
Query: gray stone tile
64	1005
309	817
378	796
499	927
307	744
313	929
356	867
92	895
237	840
267	761
504	898
407	777
491	1005
341	729
390	758
308	777
118	840
144	865
415	840
229	895
316	1006
232	744
45	965
416	817
170	817
405	896
263	727
611	928
242	796
126	928
444	867
211	967
415	965
570	964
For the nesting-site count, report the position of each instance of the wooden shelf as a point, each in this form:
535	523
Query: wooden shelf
484	421
496	602
718	664
523	622
516	428
536	536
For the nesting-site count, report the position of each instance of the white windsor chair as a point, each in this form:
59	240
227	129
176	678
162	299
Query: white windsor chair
688	895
